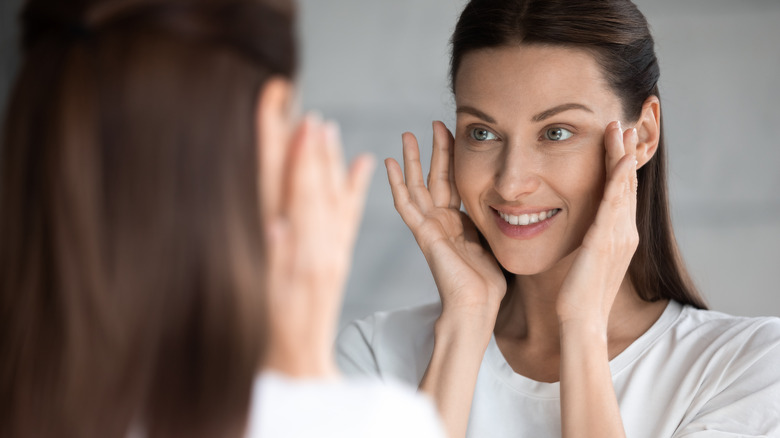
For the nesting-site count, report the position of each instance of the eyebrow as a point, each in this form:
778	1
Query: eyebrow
474	112
559	109
537	118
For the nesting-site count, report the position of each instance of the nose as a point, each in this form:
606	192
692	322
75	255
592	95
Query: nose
518	174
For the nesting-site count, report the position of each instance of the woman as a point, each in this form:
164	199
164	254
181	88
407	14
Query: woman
565	307
156	241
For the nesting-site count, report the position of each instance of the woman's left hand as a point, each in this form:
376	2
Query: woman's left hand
309	249
589	407
601	262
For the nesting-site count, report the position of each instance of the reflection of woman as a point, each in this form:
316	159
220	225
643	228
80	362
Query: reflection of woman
148	144
592	328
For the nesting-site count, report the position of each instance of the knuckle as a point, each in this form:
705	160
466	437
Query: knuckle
616	201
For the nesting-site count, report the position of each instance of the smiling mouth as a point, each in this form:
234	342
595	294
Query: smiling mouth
528	219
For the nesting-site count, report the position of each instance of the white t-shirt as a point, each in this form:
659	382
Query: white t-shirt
693	374
292	408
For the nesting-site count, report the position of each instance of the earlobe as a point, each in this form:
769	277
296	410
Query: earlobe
649	130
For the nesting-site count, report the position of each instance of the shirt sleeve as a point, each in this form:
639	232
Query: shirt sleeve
745	401
354	351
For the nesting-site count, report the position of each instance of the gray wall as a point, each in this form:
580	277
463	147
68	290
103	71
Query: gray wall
380	68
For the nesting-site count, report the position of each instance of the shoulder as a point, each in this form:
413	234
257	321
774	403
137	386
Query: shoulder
734	362
745	334
395	344
300	408
727	344
389	326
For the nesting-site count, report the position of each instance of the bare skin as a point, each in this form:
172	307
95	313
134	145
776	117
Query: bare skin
303	171
538	132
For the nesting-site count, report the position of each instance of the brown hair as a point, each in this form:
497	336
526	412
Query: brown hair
616	32
130	240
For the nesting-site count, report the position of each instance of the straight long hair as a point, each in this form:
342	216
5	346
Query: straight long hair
617	34
131	283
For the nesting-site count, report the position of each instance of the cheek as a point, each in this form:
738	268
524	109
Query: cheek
581	182
472	174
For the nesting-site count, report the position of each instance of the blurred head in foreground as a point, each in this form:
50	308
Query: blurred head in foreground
130	234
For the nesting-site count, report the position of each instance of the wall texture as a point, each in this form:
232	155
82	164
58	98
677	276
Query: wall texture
380	68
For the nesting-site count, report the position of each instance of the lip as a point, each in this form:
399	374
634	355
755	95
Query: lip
518	211
522	232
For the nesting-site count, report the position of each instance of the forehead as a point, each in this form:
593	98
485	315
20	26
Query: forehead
528	77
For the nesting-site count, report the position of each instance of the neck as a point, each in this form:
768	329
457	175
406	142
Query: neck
528	312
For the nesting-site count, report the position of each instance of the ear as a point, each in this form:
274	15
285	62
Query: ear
648	128
274	128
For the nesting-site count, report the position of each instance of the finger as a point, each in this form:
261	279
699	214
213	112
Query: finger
358	182
454	194
321	152
439	176
291	160
278	260
413	172
307	173
402	200
616	203
613	143
336	171
630	140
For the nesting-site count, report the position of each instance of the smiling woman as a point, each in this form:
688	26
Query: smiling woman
565	306
544	152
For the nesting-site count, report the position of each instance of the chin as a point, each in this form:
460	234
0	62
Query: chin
525	268
518	264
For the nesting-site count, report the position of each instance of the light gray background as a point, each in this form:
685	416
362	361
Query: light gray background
380	68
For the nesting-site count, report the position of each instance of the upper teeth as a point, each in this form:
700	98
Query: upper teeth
526	219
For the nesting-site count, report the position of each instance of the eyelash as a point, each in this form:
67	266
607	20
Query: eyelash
544	137
472	134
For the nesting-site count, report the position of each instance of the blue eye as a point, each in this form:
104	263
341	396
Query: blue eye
557	134
480	134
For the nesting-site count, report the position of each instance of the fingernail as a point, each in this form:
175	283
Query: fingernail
634	133
333	131
620	127
371	160
433	127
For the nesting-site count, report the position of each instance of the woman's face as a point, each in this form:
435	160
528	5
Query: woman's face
529	149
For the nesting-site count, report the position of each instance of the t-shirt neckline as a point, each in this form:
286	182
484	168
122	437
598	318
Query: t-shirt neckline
498	365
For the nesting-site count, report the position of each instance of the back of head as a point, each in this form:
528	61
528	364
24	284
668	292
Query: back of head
616	33
130	242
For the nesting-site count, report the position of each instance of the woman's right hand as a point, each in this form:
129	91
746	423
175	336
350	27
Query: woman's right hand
470	282
467	276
